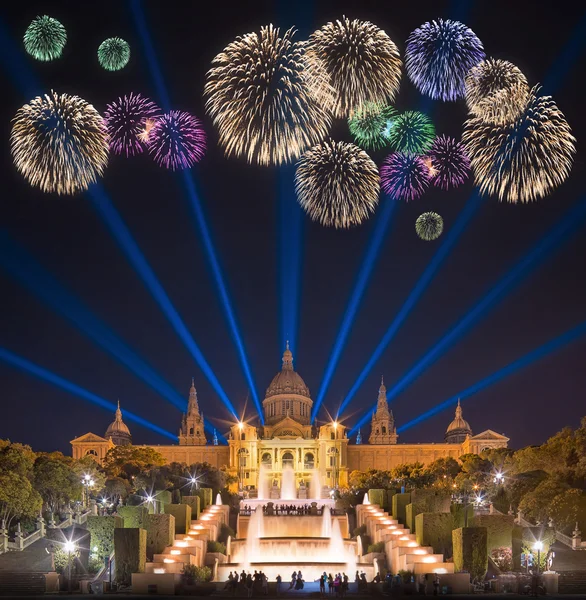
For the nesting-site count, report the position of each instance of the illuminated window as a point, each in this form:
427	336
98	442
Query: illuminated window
92	453
191	431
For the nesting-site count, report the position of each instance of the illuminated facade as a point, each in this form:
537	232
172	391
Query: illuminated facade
289	439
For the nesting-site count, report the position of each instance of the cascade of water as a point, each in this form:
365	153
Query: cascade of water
326	523
255	532
315	485
366	499
263	484
288	489
218	499
336	549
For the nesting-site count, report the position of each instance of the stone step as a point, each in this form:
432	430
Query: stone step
423	568
22	584
159	567
188	559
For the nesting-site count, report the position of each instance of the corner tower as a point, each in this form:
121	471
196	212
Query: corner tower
383	423
192	425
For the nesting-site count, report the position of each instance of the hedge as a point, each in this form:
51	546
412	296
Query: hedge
101	531
194	502
133	516
182	514
214	546
435	530
429	501
458	512
400	501
409	518
499	528
130	548
389	498
160	533
162	499
377	497
205	496
471	551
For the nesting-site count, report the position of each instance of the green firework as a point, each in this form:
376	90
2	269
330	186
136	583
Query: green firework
114	54
429	226
412	132
45	38
368	125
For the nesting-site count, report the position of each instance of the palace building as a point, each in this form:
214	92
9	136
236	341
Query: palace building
288	439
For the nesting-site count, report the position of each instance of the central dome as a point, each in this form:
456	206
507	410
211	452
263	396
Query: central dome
287	381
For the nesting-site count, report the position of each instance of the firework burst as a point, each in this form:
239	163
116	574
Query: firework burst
114	54
129	121
523	160
439	54
337	184
497	91
268	106
59	143
429	226
45	38
177	140
361	60
404	176
449	163
411	132
368	125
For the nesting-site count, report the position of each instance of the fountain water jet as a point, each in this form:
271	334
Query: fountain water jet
218	499
315	485
263	484
366	499
326	524
255	532
288	489
337	548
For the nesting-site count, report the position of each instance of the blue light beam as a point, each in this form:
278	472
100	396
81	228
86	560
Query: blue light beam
520	363
21	265
25	365
452	237
367	266
192	194
122	235
557	235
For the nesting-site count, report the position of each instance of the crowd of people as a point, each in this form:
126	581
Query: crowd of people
256	581
283	509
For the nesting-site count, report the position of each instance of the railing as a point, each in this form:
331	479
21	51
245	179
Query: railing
564	539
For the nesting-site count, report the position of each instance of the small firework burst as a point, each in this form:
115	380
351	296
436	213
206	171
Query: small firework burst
439	54
268	106
429	226
368	125
337	184
127	119
449	161
177	140
497	91
523	160
45	38
361	60
114	54
404	176
411	132
59	143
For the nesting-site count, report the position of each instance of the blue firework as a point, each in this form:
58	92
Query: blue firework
439	54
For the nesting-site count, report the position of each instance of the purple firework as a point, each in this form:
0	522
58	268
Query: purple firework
448	162
438	57
127	120
404	176
177	140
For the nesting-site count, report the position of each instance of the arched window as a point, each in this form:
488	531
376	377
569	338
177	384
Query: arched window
243	437
91	453
309	461
384	429
333	435
287	459
377	432
266	459
191	431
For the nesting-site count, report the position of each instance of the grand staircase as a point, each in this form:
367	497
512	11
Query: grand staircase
22	584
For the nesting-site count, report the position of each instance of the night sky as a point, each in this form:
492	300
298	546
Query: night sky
241	202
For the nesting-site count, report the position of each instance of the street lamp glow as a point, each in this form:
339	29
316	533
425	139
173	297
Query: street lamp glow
69	547
150	498
335	424
538	546
499	477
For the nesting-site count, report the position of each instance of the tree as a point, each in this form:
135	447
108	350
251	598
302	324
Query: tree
117	489
373	479
536	504
56	482
127	461
17	458
444	470
88	466
412	475
567	509
18	499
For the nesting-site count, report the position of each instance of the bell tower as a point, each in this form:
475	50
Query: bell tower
383	423
192	425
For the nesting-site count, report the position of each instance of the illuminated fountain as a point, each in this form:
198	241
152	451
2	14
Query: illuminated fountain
218	499
326	524
263	484
288	489
315	489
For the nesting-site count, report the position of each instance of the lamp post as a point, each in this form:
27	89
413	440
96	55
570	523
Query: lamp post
88	483
69	547
539	547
